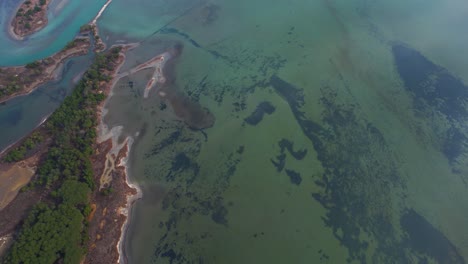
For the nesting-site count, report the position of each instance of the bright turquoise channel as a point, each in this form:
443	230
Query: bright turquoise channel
65	19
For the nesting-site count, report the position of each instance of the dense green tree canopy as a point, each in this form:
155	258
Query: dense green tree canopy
57	231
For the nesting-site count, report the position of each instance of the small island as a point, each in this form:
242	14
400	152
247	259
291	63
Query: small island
30	17
21	80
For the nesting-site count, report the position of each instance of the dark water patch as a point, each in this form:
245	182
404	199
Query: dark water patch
323	255
294	177
209	14
168	30
431	83
181	202
262	67
14	116
172	256
191	112
360	173
194	94
428	240
257	115
182	162
214	53
239	106
280	162
286	144
455	144
219	215
171	139
437	95
240	150
205	135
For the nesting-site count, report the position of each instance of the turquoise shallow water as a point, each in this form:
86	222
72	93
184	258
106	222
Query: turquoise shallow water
19	116
340	132
65	20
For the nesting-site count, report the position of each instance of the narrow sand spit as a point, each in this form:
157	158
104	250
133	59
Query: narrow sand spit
100	12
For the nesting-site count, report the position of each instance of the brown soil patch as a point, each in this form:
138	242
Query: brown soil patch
105	229
15	176
30	17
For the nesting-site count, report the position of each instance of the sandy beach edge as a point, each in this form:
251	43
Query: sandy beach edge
104	133
131	199
44	119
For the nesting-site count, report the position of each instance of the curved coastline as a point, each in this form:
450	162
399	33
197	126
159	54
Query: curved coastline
112	134
9	26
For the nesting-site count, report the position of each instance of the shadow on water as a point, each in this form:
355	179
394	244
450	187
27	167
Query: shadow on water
426	239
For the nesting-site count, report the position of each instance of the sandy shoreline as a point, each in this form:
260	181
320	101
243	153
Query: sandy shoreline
100	12
12	33
104	134
131	199
10	27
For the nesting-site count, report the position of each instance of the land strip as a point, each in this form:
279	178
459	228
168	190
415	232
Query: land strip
30	17
22	80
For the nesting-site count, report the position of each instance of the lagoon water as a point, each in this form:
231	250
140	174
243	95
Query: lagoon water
340	131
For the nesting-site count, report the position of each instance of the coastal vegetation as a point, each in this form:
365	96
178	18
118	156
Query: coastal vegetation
93	30
30	143
30	17
23	79
56	229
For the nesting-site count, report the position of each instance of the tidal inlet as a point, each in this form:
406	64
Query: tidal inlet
195	131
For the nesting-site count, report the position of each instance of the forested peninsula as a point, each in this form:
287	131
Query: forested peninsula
53	227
